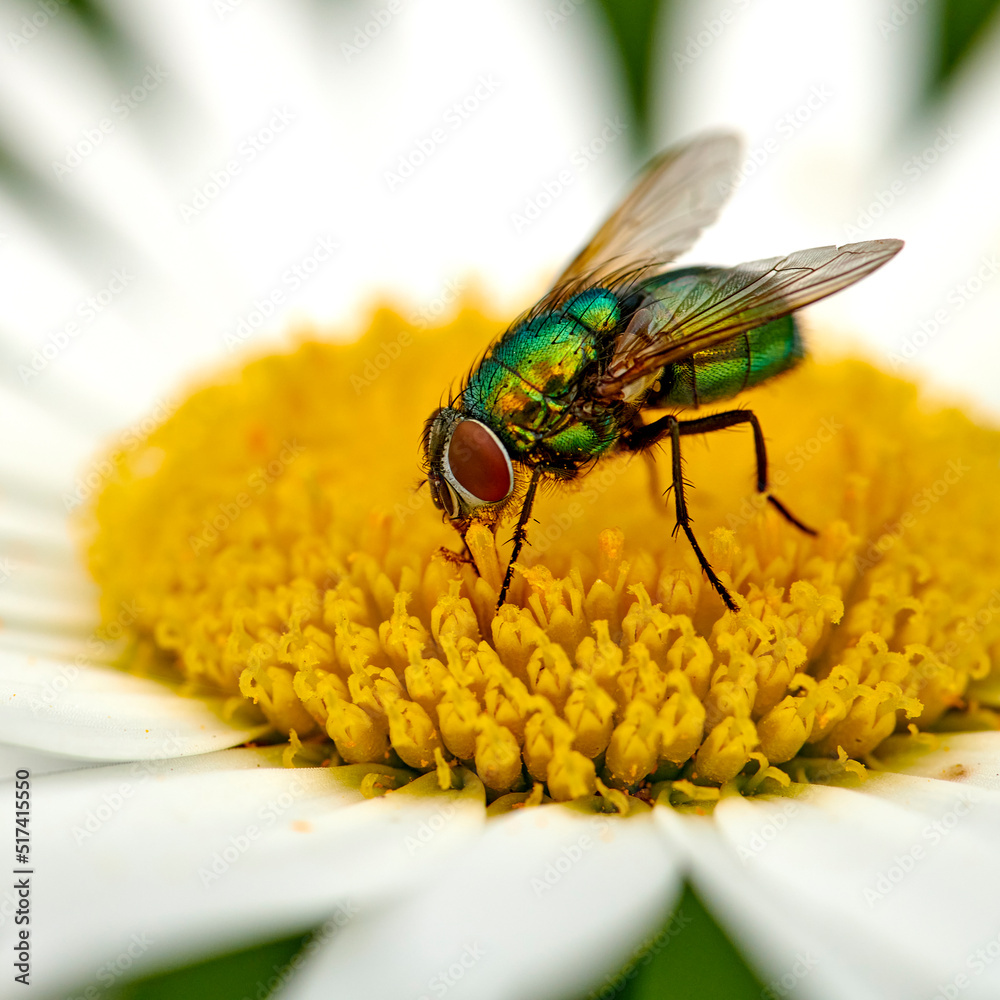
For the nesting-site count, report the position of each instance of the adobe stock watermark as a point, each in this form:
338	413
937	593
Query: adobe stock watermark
592	488
113	801
535	206
230	511
612	985
8	905
976	963
104	468
268	814
805	963
388	353
922	503
557	15
568	856
366	33
223	8
711	29
898	16
454	118
439	984
430	828
85	315
971	626
931	837
913	168
785	127
957	299
265	647
110	972
99	646
31	24
768	832
432	311
416	500
218	180
343	913
291	280
796	458
121	108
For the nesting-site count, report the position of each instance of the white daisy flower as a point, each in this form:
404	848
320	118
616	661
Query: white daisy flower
267	573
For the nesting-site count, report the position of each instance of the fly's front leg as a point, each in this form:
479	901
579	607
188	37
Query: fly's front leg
463	558
521	531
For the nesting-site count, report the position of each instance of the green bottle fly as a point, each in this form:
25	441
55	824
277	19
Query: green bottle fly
619	336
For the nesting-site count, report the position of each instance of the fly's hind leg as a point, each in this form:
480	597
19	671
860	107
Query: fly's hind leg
643	436
730	418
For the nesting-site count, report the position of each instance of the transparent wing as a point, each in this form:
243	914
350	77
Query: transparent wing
669	328
678	194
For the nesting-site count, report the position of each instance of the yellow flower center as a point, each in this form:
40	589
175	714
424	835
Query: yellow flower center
273	542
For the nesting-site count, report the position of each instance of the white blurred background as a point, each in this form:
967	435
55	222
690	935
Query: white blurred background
182	179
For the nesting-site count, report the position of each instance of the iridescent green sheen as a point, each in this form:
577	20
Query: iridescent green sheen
616	336
530	387
597	309
725	370
526	386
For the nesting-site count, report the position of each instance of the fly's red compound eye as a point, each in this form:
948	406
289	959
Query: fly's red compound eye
479	462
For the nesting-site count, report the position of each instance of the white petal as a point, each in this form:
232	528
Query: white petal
844	893
148	864
28	606
964	758
81	710
263	206
47	447
64	648
543	905
35	532
38	762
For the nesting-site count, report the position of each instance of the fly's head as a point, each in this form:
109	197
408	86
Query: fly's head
468	469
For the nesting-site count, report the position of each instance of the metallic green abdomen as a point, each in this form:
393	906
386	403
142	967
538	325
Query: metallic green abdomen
725	370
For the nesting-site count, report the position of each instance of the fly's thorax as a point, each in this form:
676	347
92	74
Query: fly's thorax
468	467
532	386
598	309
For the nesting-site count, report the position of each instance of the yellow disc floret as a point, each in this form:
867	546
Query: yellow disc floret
272	540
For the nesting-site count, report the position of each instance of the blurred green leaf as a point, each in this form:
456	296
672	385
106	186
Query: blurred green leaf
253	973
960	24
122	52
689	957
632	33
98	23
